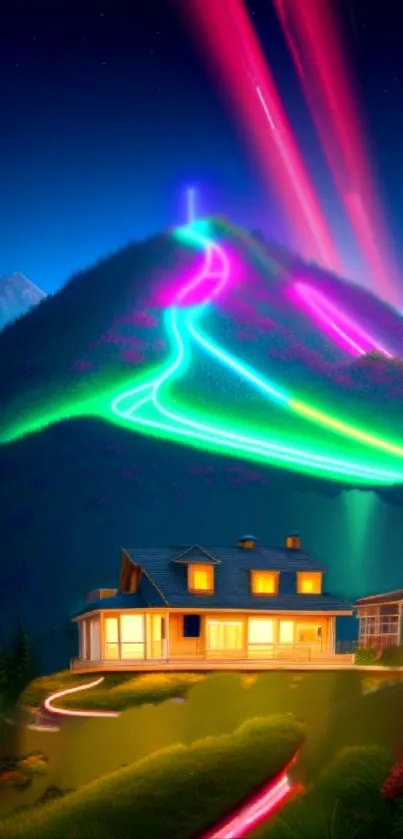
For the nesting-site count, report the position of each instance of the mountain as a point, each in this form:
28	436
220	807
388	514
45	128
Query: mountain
132	415
17	296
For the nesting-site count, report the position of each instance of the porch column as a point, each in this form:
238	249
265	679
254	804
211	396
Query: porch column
167	637
332	636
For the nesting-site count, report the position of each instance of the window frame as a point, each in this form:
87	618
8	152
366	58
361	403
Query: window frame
275	575
192	568
316	575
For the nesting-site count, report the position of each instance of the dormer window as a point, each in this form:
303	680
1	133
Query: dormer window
201	579
309	582
264	582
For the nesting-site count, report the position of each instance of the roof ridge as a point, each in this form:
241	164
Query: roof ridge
190	548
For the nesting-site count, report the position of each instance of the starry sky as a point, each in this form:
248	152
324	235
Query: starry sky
109	114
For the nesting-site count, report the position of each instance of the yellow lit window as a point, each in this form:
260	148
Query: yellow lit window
286	632
308	633
224	635
201	578
309	582
111	639
264	582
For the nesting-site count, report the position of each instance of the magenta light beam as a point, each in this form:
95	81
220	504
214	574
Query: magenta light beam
354	339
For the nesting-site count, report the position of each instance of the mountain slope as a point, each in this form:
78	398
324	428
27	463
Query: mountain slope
17	296
81	479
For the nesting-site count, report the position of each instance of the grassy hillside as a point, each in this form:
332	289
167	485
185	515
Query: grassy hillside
179	792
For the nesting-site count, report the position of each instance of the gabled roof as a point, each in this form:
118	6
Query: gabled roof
163	582
195	555
378	599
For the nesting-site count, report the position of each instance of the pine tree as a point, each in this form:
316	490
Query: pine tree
21	658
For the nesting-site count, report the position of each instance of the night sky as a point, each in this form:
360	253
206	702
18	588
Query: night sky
108	114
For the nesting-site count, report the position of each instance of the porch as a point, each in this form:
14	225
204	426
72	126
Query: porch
174	640
295	659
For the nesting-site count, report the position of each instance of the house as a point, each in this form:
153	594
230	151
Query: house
211	608
380	620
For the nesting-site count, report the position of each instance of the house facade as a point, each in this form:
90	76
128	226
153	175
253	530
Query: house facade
380	620
211	608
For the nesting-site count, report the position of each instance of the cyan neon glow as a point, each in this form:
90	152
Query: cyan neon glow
352	336
181	322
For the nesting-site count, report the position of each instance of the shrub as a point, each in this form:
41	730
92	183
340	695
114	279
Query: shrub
365	656
392	657
392	788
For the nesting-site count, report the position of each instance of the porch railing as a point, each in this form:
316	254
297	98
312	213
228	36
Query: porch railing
302	653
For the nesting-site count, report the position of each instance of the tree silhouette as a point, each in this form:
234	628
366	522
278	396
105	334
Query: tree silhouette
21	660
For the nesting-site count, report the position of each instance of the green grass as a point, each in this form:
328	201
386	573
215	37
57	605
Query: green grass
177	793
117	692
344	803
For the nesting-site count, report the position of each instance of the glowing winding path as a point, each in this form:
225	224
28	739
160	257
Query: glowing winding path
181	321
257	809
70	712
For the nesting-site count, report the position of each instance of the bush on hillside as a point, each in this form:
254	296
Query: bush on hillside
345	803
118	691
392	657
392	788
178	792
365	656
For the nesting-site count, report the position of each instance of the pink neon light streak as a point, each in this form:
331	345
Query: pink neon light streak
69	712
252	813
354	338
228	38
220	275
315	44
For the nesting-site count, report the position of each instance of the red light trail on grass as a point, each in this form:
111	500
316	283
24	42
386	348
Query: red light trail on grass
258	808
69	712
314	40
228	40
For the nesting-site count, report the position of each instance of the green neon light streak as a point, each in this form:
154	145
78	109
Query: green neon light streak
146	407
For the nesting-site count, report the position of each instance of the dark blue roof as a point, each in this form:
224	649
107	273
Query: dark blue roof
164	581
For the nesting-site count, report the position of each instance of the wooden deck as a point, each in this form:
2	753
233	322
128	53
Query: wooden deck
336	662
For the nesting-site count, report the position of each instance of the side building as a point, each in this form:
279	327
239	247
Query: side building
380	620
215	608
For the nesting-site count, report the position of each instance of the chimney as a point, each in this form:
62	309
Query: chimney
247	543
293	542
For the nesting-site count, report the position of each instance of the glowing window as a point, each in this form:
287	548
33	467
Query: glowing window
264	582
111	628
309	633
260	631
224	635
286	632
309	582
201	578
132	636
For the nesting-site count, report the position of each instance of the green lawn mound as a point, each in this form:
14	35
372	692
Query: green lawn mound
116	692
178	793
344	802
